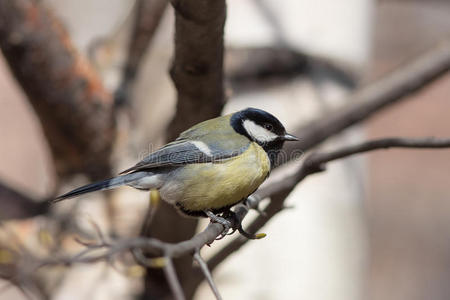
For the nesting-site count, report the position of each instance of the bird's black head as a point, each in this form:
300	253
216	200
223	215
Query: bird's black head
262	128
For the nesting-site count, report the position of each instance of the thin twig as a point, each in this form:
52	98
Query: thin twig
172	279
204	267
398	142
148	15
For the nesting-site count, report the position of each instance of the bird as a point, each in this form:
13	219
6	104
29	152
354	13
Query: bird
210	167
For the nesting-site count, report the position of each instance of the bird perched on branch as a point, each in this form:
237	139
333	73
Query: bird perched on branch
210	167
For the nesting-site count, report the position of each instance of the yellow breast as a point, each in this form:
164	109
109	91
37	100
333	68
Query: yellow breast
220	184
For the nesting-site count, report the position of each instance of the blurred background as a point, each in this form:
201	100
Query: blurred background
371	227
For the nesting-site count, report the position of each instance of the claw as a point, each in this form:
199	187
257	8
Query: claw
249	235
233	230
222	221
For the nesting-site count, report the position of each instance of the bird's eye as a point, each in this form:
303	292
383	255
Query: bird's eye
268	126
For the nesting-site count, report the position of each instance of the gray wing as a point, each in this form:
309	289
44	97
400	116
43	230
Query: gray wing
183	152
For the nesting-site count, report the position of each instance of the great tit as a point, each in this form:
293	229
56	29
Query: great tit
210	167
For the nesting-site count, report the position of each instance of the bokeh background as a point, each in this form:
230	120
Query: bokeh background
372	227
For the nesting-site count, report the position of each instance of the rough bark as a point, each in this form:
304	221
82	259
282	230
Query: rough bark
72	105
197	72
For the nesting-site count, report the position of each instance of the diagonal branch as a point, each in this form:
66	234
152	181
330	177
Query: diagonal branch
278	191
204	268
172	279
72	105
369	100
314	163
363	104
148	15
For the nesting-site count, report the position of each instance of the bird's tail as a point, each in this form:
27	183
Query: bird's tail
102	185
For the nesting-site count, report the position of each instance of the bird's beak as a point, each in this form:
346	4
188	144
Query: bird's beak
290	137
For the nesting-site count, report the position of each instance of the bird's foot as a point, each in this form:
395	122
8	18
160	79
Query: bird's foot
227	225
233	225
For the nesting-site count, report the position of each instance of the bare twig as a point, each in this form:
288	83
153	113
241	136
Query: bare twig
316	160
148	14
151	245
172	279
204	267
75	111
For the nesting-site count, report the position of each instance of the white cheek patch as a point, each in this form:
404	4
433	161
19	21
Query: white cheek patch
202	147
258	133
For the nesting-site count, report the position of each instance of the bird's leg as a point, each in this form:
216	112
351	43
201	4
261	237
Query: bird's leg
252	201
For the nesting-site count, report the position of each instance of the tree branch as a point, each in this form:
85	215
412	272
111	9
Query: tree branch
172	278
74	108
16	205
367	101
148	15
362	105
248	69
314	163
316	160
197	69
278	191
204	267
197	72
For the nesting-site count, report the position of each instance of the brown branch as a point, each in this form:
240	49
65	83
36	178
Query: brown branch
16	205
369	100
248	69
148	15
197	72
197	69
74	108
